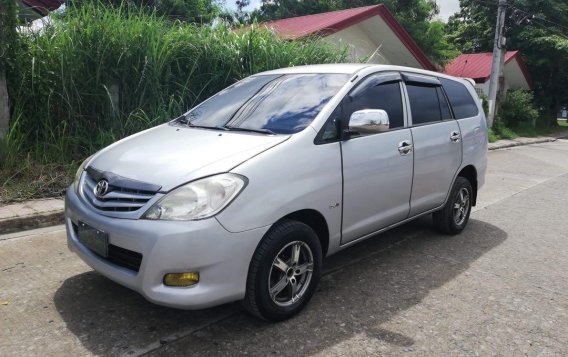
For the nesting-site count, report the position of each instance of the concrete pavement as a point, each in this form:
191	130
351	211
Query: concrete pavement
500	288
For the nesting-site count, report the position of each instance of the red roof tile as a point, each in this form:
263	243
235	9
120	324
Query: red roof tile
43	7
328	23
477	66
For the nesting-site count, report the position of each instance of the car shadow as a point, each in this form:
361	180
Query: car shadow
363	288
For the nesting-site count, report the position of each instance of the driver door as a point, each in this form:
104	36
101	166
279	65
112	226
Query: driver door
377	168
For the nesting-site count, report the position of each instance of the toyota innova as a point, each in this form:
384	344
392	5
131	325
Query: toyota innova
243	196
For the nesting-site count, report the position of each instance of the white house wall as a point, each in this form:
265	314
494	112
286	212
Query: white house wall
359	44
514	76
373	37
484	87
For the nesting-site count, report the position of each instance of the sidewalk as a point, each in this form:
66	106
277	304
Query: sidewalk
30	215
503	144
48	212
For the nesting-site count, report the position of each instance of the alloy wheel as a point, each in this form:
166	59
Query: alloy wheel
290	273
461	206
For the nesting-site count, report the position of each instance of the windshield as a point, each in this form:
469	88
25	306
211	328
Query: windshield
280	104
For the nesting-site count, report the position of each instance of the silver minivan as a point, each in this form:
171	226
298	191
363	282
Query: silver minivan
243	196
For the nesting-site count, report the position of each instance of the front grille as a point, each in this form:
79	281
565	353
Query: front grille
118	198
123	257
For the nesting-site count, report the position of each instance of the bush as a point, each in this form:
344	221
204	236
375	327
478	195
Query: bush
518	109
491	136
99	74
484	103
502	132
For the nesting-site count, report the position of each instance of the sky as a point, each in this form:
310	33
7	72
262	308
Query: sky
447	7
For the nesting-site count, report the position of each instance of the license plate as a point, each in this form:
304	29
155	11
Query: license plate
94	239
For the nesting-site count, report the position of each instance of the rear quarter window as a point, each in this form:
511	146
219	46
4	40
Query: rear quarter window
462	102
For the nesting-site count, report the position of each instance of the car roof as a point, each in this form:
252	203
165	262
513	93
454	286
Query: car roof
353	68
345	68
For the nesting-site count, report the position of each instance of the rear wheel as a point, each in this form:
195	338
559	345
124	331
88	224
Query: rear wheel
284	271
453	218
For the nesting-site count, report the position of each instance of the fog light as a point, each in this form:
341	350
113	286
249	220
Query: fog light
181	279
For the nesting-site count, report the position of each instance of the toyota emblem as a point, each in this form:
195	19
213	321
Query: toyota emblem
101	188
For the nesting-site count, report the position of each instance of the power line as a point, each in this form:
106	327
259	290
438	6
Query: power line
533	18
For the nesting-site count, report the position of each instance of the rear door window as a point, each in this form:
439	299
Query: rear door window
424	104
462	102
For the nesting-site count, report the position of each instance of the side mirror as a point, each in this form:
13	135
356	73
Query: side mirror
368	122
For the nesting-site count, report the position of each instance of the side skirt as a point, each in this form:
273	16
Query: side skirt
390	227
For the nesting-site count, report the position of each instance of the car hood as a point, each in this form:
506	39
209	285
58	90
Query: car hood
169	156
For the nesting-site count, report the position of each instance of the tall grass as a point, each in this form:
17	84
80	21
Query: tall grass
99	74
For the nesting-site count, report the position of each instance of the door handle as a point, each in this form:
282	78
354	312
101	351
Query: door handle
405	147
455	136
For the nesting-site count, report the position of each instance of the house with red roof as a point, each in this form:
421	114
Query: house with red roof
477	66
370	32
34	9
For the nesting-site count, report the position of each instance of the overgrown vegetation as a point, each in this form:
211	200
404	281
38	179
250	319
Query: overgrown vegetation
99	74
518	116
518	109
196	11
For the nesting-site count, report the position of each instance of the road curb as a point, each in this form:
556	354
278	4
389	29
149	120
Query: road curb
522	143
24	223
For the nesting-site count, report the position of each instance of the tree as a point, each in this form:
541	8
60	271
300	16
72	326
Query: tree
281	9
240	16
8	48
535	27
414	15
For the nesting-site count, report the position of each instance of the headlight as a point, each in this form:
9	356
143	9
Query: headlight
198	199
79	172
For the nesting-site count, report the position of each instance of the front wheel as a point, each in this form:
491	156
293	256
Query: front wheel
453	218
284	271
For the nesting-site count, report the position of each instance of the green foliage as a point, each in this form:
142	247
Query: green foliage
472	29
484	103
414	15
99	74
281	9
502	132
433	40
492	137
197	11
9	39
517	108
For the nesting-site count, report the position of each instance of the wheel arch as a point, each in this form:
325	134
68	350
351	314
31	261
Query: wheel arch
469	172
316	221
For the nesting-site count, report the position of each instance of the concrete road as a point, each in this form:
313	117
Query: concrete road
500	288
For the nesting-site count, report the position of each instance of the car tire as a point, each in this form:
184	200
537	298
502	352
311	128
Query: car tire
453	218
280	282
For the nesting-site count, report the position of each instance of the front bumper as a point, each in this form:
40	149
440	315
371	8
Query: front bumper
221	258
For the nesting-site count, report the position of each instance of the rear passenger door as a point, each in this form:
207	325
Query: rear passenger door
437	142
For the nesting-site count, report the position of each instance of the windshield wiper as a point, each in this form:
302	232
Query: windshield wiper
262	131
218	127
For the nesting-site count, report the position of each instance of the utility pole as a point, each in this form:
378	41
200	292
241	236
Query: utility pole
498	60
